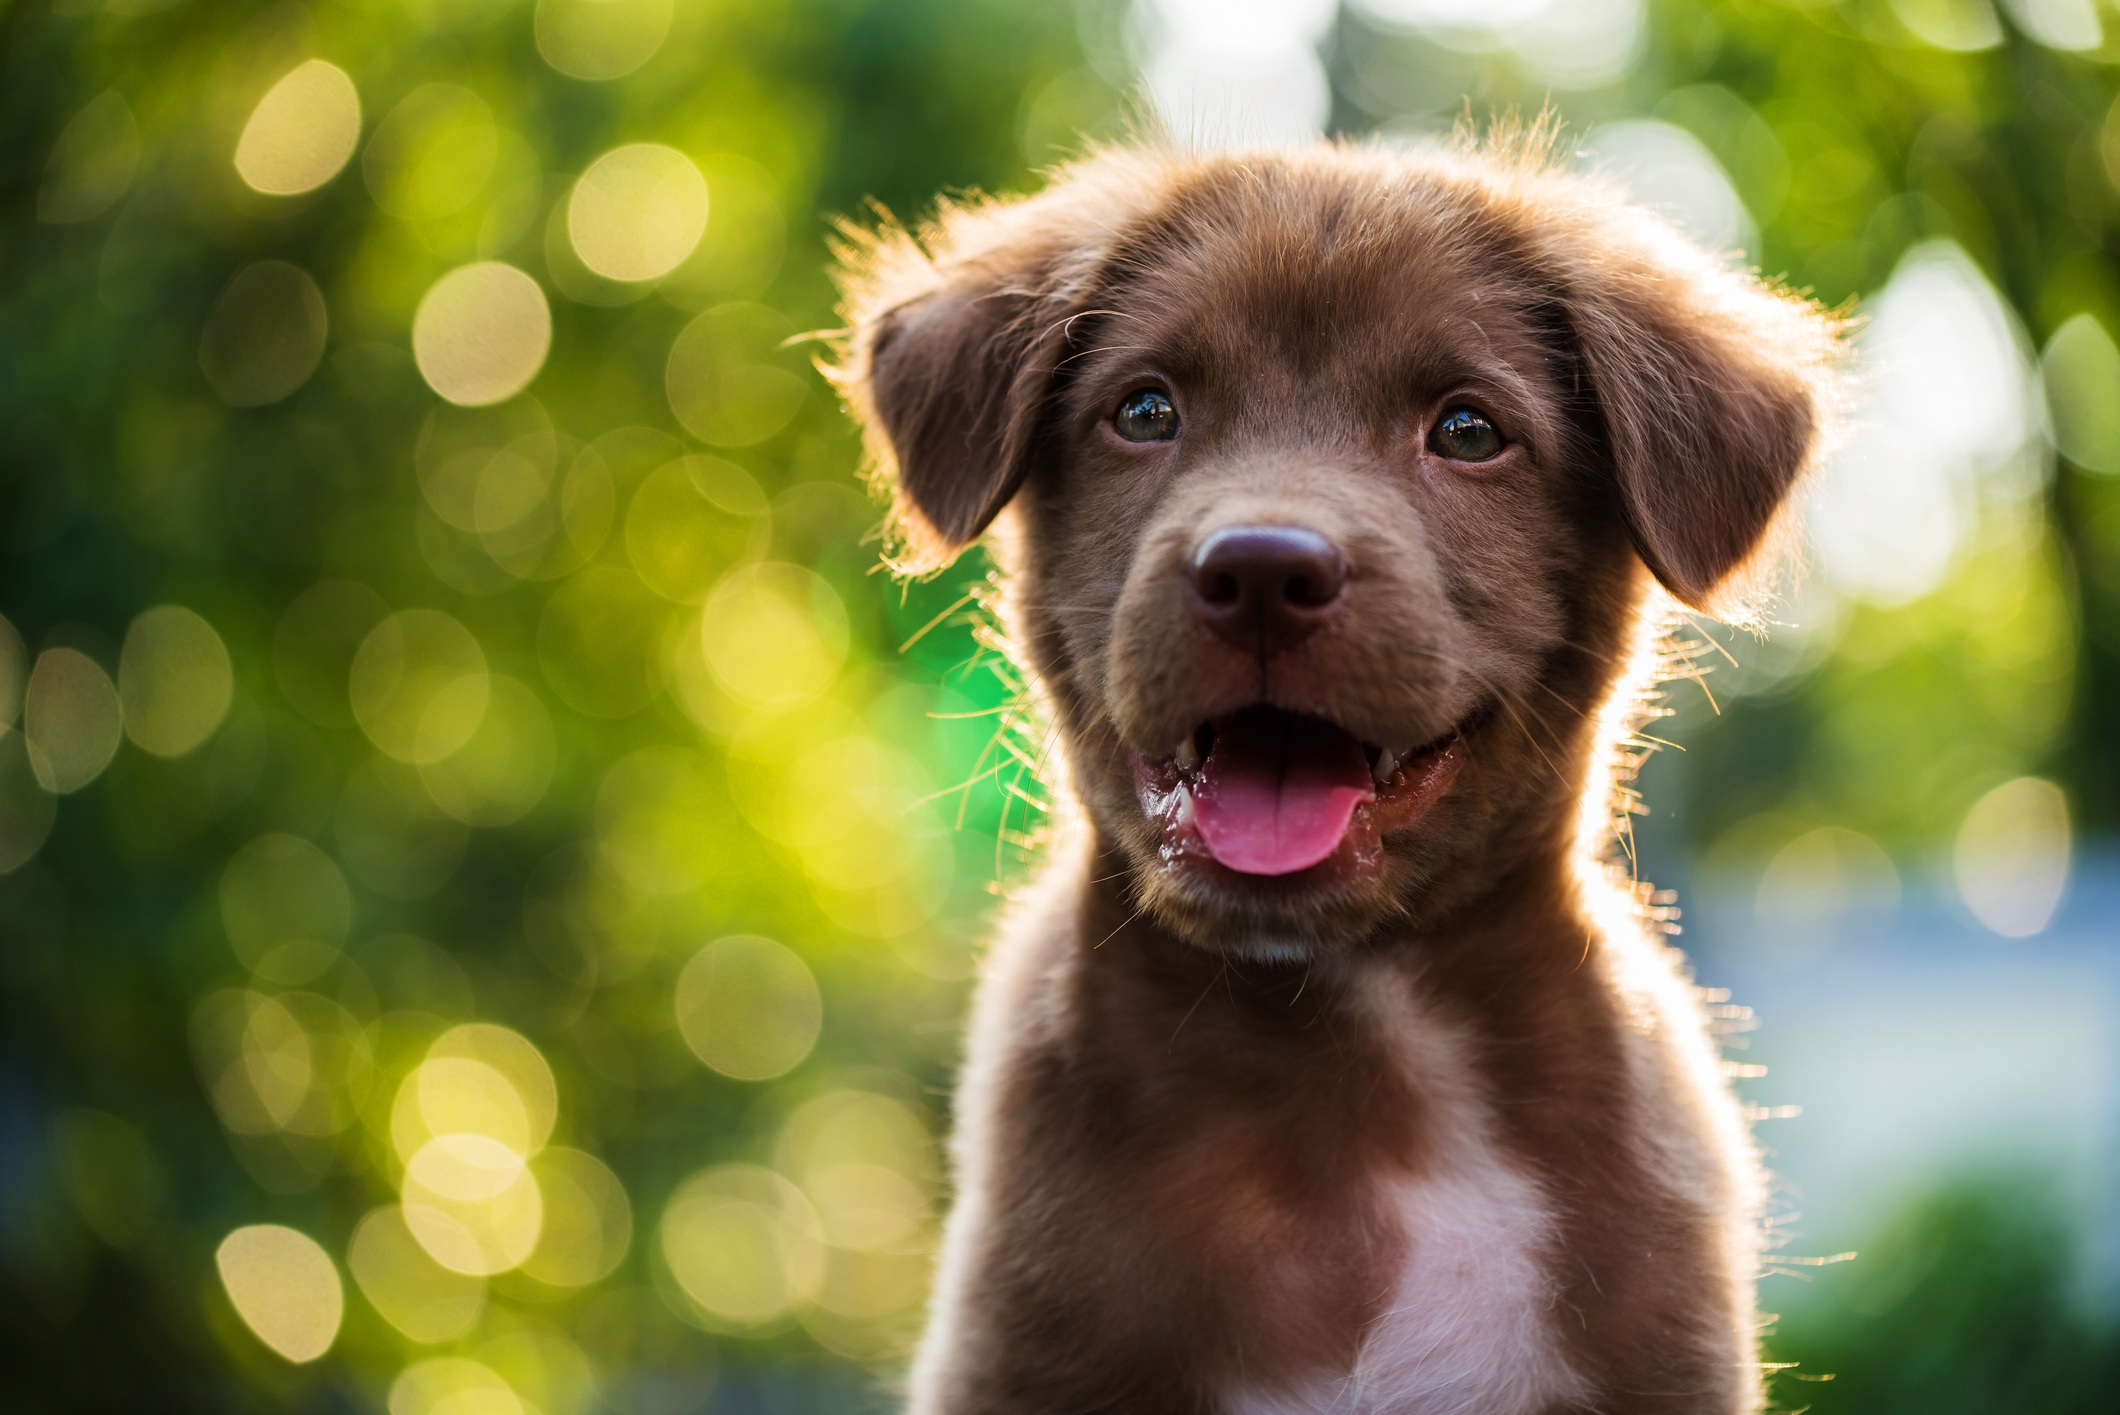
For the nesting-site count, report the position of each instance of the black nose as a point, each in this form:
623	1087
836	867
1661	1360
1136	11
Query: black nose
1266	588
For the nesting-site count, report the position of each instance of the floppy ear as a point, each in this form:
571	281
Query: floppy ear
1715	392
953	339
956	382
952	345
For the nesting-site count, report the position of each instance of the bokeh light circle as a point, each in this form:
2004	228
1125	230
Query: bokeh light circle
175	680
472	1203
2012	856
867	1164
588	1220
600	39
302	131
265	336
424	1300
637	212
452	1385
284	1287
743	1243
72	720
775	635
748	1007
502	770
481	333
418	685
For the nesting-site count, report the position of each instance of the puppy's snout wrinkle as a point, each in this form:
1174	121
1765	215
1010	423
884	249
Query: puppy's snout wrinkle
1266	588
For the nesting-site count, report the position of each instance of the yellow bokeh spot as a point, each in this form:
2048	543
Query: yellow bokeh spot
867	1164
432	153
730	380
588	1220
418	685
600	39
637	212
71	719
2012	856
301	132
774	635
454	1095
452	1385
174	680
748	1007
478	1079
421	1298
265	335
472	1203
743	1244
868	1285
481	333
284	1287
503	770
280	890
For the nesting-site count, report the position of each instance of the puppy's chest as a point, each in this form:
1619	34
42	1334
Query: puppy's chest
1466	1325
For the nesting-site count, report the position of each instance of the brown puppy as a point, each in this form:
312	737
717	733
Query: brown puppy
1325	1070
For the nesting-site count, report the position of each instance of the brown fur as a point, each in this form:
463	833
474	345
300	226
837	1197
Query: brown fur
1191	1096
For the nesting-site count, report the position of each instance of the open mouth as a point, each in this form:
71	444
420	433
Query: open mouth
1264	791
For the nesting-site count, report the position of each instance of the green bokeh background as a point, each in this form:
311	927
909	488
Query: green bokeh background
677	811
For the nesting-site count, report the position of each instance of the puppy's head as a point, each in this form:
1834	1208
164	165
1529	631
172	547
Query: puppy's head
1335	475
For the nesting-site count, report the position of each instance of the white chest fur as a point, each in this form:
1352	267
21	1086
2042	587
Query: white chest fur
1470	1329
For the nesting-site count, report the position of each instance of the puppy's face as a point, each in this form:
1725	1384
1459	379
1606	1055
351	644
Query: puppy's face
1304	543
1327	555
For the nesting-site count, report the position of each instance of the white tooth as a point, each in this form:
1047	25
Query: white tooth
1182	811
1387	765
1187	754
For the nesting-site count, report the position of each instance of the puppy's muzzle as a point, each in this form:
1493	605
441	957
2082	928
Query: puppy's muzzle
1263	589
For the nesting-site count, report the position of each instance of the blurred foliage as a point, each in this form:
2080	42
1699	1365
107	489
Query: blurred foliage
500	860
1962	1304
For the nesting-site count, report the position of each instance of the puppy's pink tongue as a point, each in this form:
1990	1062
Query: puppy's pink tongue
1277	790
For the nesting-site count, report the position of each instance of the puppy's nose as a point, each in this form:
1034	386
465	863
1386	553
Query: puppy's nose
1266	588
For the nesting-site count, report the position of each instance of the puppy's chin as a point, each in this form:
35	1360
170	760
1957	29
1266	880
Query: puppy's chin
1279	920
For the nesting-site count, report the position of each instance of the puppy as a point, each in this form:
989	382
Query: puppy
1328	1067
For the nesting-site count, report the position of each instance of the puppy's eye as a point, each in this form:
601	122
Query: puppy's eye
1464	435
1147	416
